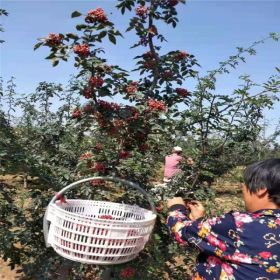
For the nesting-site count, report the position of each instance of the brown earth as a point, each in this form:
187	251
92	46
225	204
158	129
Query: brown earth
6	273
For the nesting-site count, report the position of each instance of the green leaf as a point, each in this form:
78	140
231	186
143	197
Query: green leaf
81	26
102	34
38	45
129	28
51	56
112	38
72	36
75	14
55	62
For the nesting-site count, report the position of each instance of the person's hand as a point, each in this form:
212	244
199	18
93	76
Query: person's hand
175	200
190	161
197	210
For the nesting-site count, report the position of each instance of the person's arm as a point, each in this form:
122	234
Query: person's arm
208	235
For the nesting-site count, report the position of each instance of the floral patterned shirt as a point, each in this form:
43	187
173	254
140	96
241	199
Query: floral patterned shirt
234	246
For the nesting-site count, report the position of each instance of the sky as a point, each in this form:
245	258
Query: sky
208	29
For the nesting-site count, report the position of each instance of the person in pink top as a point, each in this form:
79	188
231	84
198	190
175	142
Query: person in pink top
171	164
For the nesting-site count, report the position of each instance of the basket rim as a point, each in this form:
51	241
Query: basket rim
152	218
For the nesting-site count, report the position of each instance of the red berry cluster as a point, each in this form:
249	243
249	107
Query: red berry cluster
159	208
132	88
54	39
167	75
182	92
88	108
149	60
155	105
148	55
97	15
142	11
173	2
133	113
150	64
86	155
87	93
96	82
97	147
82	50
108	106
144	147
127	272
124	154
141	136
181	55
101	119
77	113
97	182
119	123
98	166
113	131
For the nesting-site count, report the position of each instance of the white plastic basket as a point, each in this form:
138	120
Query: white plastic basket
98	232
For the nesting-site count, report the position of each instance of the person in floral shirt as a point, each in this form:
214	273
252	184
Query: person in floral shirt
236	245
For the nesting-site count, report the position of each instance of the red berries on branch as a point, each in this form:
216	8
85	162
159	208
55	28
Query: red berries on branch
96	82
86	155
82	50
181	55
143	148
148	55
124	154
149	60
99	167
132	88
108	106
142	11
155	105
167	75
77	113
87	93
150	64
54	40
172	2
97	147
88	108
127	272
95	183
97	15
182	92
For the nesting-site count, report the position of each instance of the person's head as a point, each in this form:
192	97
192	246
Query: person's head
262	185
177	150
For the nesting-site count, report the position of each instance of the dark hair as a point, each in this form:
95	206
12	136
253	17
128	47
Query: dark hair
264	174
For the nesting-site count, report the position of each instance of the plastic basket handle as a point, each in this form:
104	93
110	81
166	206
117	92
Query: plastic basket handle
113	179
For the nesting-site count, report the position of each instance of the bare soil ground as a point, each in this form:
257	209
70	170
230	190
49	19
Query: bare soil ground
6	273
228	198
